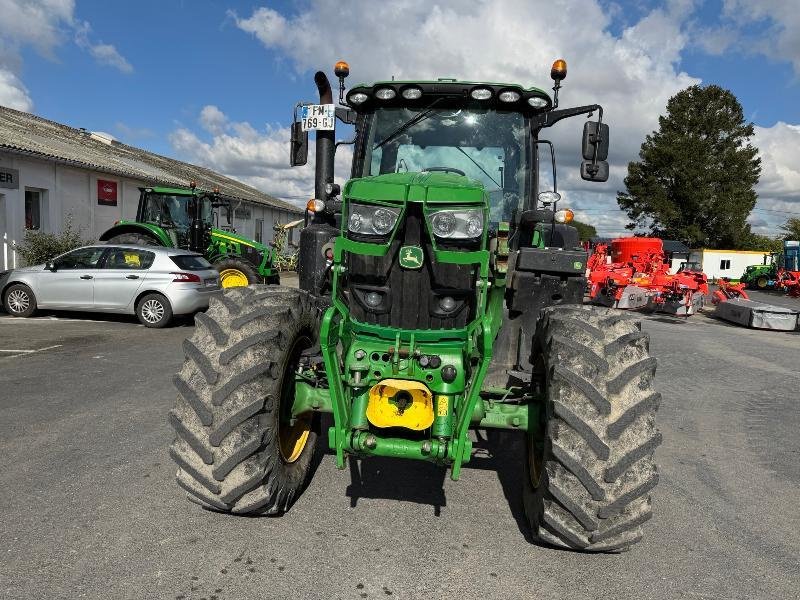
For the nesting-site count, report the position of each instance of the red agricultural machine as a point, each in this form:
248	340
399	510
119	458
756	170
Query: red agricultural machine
634	275
726	290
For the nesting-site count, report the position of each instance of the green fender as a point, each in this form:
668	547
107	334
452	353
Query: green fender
141	228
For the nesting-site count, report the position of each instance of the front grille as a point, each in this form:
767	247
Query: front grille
410	298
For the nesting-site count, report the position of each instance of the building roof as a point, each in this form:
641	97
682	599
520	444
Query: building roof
675	247
26	134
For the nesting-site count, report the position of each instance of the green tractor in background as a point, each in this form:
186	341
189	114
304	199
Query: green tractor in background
182	218
440	292
762	277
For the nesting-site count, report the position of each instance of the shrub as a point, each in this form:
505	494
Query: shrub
39	246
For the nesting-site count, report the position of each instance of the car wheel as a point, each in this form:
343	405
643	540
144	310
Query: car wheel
20	301
154	310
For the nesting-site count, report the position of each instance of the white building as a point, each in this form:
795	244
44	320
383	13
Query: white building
727	263
49	171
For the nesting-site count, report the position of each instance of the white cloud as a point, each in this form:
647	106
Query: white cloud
104	54
42	25
258	158
13	93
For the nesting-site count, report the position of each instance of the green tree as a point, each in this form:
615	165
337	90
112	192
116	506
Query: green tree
695	178
585	231
791	229
756	241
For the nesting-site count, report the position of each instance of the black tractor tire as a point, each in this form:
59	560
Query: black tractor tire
19	300
154	311
243	267
139	239
236	382
762	282
590	469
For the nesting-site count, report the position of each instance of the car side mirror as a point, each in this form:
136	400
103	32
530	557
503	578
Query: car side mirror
594	172
50	266
298	151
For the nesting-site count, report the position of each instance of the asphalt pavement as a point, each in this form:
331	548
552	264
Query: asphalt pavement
90	508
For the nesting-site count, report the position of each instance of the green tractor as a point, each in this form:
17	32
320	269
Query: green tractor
182	218
439	292
764	276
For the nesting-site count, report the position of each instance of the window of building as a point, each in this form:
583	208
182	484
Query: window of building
33	209
259	230
724	265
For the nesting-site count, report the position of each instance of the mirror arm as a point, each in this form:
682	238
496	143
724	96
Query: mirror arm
554	116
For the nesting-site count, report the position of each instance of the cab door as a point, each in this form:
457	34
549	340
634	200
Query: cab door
120	277
70	285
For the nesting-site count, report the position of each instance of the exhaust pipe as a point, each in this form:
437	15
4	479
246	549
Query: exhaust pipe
325	142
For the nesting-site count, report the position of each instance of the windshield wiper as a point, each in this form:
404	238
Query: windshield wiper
418	118
493	180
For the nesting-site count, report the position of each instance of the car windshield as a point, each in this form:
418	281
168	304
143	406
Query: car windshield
487	145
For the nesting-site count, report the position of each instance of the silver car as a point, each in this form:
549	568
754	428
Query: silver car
152	283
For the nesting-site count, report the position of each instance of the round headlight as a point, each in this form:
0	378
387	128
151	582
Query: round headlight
474	225
549	197
373	299
412	93
355	222
537	102
509	96
481	93
358	98
443	224
447	304
385	94
383	221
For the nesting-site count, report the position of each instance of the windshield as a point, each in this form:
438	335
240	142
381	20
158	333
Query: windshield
487	145
170	210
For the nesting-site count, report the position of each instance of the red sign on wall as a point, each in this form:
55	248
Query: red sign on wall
106	192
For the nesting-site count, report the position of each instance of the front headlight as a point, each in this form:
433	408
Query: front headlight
457	224
371	220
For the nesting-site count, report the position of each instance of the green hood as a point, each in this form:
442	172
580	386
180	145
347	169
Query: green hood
428	187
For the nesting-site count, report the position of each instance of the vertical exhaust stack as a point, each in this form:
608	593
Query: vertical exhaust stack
325	142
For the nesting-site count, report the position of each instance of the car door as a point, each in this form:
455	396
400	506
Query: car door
120	277
70	284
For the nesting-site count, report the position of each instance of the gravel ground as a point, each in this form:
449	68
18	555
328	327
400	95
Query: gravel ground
91	510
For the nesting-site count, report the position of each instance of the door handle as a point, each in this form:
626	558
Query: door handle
131	277
87	277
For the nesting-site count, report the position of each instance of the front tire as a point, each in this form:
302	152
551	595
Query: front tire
20	301
154	310
590	468
236	447
236	273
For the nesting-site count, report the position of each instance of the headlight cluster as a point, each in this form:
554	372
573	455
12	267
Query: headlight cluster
371	220
457	224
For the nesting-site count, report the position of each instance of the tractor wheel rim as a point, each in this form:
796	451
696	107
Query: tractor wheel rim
153	311
233	278
292	433
18	301
537	431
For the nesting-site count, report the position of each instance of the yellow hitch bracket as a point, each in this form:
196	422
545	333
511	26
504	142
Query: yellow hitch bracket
400	403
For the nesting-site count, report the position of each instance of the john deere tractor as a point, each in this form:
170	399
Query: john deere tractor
183	218
440	292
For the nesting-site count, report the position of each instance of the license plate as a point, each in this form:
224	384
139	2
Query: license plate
318	116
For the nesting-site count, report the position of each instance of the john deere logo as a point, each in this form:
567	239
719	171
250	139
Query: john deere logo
411	257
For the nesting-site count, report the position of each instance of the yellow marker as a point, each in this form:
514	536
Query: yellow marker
441	406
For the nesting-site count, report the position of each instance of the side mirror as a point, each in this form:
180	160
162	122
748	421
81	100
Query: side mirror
298	151
592	140
50	266
592	172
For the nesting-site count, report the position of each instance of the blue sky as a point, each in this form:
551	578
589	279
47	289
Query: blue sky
214	82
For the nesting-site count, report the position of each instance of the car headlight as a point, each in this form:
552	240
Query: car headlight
457	224
371	220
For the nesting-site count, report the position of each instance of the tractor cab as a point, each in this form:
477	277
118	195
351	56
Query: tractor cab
185	216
